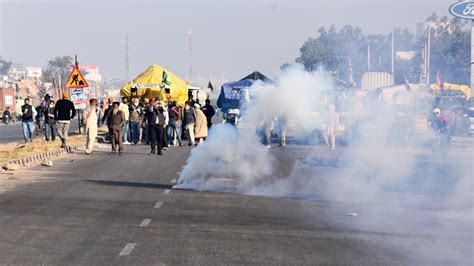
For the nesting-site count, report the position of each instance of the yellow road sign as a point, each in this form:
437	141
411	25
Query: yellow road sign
76	80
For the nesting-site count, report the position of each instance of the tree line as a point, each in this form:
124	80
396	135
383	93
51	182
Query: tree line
349	52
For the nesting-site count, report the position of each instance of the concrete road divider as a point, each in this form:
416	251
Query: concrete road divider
16	164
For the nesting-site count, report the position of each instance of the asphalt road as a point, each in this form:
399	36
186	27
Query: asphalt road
120	210
13	132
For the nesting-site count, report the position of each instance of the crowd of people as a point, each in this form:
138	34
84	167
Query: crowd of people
52	118
138	121
156	123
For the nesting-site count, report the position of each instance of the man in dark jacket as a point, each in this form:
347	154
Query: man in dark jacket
27	122
156	122
189	121
115	122
64	112
50	123
209	112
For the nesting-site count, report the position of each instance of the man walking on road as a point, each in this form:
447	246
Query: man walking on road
209	111
90	121
115	122
125	110
50	123
189	122
135	118
64	112
27	122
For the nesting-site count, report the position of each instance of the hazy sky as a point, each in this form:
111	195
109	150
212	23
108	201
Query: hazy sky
230	38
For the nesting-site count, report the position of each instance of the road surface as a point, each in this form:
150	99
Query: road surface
121	210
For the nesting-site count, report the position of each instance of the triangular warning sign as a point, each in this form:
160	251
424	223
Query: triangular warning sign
76	80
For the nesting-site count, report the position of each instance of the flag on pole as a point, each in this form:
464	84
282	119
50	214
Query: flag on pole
209	86
407	84
439	80
165	79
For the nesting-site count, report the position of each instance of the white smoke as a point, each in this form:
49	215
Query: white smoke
236	155
380	177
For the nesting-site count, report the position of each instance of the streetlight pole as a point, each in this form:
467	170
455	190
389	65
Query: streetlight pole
190	56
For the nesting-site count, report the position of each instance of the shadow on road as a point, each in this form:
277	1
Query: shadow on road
129	184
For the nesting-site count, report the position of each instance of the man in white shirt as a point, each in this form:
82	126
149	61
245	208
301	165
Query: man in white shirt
125	110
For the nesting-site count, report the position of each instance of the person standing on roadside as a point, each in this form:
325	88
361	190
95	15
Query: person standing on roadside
164	135
27	122
174	126
125	110
209	112
90	120
134	120
107	109
201	125
50	122
156	123
189	121
115	122
332	121
64	112
145	128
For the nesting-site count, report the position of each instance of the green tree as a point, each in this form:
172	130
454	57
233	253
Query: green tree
450	49
336	51
58	65
4	66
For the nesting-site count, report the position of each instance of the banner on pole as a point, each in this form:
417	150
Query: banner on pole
78	98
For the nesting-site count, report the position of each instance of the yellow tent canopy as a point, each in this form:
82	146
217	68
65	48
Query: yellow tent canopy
150	84
449	86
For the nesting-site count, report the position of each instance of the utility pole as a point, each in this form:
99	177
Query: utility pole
190	56
368	57
127	58
472	57
428	56
393	58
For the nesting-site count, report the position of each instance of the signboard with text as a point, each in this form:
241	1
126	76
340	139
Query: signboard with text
78	98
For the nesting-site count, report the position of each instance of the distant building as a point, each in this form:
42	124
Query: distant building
17	72
34	72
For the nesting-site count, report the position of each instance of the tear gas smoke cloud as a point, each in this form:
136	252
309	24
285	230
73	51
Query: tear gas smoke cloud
369	168
373	172
237	153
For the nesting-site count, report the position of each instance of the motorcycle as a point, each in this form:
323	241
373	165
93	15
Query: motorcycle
440	142
6	119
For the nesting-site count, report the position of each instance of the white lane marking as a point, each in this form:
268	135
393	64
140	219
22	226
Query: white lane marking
173	180
127	249
145	223
167	191
158	204
224	179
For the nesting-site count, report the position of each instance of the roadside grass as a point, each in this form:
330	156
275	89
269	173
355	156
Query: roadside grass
16	150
